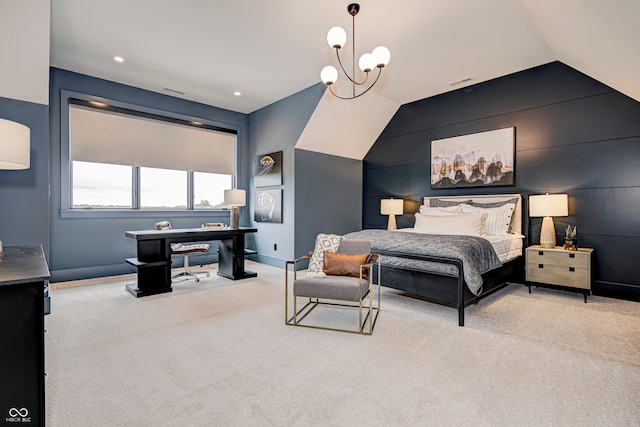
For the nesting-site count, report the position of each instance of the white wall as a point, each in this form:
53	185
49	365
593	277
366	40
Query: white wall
24	50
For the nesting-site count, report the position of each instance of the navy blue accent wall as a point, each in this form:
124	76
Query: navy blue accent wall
95	246
273	128
328	197
574	135
24	194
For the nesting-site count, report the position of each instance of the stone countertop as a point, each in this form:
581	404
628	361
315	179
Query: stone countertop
23	264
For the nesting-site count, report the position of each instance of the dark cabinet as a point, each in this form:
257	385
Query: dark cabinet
23	277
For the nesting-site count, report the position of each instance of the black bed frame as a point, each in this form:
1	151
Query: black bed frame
453	291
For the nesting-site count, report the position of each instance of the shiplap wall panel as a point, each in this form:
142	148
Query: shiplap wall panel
574	135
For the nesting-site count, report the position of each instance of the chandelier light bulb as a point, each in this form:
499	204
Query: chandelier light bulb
381	56
366	62
329	75
336	37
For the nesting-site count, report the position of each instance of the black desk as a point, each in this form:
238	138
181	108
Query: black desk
154	255
23	276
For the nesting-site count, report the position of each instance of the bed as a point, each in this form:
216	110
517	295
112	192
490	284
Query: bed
483	254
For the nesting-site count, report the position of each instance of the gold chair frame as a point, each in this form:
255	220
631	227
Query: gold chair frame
299	315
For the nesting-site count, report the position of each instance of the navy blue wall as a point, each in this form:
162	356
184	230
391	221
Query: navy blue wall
24	194
328	197
574	135
321	193
96	246
273	128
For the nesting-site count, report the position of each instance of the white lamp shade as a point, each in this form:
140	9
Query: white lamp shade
366	62
329	75
391	206
336	37
235	197
549	205
381	56
14	145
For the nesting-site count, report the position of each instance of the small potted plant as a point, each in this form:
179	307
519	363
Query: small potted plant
571	238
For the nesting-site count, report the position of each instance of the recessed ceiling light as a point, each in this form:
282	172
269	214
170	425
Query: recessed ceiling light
196	123
118	58
98	104
237	93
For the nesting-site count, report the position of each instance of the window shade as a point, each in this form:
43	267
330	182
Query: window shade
109	137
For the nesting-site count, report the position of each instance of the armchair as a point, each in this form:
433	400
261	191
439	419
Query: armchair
348	282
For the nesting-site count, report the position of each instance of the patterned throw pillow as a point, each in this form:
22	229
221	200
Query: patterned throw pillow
324	242
498	219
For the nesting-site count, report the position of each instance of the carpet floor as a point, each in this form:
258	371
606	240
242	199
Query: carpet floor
218	353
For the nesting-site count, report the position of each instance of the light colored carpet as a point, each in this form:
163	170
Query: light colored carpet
217	353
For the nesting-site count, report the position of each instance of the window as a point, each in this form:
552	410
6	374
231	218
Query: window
99	185
163	188
207	189
124	159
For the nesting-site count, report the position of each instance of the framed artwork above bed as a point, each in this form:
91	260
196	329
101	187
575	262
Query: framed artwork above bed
484	159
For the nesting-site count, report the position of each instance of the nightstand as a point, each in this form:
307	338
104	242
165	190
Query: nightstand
559	267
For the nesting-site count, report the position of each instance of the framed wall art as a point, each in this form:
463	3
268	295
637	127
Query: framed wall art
268	170
484	159
268	206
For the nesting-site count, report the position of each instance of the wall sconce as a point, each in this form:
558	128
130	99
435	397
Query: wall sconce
391	207
235	197
547	206
14	145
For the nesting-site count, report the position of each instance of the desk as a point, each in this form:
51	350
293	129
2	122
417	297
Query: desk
154	255
24	274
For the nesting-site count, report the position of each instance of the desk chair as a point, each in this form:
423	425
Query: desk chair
185	251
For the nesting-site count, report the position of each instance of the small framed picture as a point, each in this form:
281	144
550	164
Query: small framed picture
268	170
268	206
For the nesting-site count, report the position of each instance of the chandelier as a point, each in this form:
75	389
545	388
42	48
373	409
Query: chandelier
378	58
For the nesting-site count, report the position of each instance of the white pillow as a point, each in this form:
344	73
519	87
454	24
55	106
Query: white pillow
465	224
453	210
498	219
324	242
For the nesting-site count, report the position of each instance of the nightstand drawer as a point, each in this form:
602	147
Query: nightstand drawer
566	258
559	275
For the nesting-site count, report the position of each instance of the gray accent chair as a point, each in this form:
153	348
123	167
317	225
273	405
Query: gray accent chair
332	290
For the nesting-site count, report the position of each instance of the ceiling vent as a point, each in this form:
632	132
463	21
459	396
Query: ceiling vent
178	92
462	81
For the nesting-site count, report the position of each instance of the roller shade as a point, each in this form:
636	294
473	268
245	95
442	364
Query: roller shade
103	136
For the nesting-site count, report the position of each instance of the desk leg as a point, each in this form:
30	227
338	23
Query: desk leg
154	268
231	259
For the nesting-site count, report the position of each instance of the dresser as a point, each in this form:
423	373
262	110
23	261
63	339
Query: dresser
559	267
24	275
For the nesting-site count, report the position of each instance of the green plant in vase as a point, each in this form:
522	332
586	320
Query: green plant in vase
571	238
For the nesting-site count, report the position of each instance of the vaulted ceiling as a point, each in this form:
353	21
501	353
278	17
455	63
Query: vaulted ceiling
267	50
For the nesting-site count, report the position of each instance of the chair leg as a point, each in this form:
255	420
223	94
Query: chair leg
187	273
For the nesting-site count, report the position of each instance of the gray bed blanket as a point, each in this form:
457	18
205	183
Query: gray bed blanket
476	253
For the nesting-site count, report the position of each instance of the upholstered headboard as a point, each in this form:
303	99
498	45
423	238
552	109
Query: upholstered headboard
520	218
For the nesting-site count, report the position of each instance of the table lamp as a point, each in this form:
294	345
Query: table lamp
234	198
391	207
14	145
547	206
